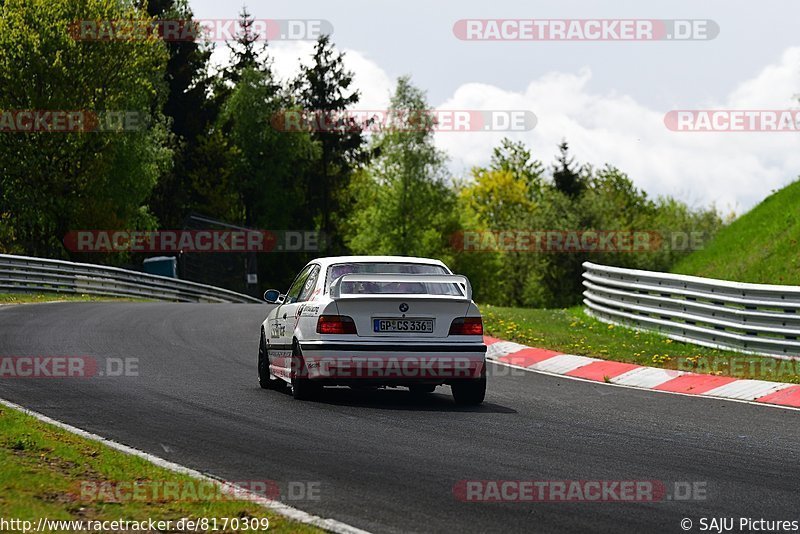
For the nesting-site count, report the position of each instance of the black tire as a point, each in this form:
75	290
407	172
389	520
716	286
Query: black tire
470	392
422	388
265	378
302	387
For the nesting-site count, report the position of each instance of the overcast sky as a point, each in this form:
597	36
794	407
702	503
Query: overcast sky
608	99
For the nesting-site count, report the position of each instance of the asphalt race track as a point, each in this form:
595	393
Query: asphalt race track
387	461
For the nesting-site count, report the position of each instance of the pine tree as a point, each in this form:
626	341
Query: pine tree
190	111
248	50
567	180
323	89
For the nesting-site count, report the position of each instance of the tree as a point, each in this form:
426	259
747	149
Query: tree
565	177
497	200
51	183
516	158
323	89
268	160
265	170
509	194
248	51
498	197
191	112
404	205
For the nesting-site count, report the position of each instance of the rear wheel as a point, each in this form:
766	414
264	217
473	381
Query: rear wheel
470	392
265	378
302	387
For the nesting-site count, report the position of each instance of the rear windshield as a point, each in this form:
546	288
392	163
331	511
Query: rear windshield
395	288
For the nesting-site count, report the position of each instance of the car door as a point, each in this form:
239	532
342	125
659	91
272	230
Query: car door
282	327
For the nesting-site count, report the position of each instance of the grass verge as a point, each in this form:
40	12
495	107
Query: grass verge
571	331
27	298
759	247
42	468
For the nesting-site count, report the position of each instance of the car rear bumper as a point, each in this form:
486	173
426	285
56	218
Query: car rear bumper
392	364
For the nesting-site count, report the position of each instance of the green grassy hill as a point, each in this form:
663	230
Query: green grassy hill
761	246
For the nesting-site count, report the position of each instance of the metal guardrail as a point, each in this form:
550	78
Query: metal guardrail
27	274
752	318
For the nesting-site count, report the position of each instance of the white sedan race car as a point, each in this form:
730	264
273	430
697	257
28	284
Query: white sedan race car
367	321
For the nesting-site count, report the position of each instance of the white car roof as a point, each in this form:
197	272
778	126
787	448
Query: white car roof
325	262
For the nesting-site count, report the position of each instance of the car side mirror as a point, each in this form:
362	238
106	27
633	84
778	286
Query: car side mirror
273	296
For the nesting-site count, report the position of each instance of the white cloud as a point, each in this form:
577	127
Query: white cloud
776	84
734	170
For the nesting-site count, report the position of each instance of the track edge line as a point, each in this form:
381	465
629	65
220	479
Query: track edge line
330	525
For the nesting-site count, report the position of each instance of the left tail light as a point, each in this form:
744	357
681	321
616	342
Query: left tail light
467	326
335	324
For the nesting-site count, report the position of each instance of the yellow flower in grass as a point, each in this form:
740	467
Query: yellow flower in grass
660	358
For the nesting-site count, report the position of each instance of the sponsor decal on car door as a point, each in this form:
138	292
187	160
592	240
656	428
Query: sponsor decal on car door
282	328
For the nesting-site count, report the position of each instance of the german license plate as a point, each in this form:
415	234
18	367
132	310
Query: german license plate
405	326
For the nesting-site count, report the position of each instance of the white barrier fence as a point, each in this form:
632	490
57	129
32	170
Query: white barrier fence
27	274
752	318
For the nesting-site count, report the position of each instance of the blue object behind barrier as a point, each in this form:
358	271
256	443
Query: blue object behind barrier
161	266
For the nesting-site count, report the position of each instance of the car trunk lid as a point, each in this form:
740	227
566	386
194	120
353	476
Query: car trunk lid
402	305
